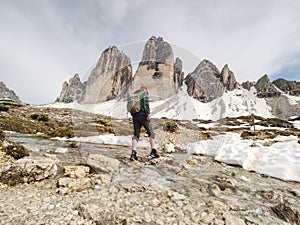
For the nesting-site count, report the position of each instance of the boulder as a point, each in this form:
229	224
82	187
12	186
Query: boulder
102	163
29	169
169	148
76	171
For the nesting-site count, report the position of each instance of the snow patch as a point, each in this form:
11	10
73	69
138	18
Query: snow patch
280	160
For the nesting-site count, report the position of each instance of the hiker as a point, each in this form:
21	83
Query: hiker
142	118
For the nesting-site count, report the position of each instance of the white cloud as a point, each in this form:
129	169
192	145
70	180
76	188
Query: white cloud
46	42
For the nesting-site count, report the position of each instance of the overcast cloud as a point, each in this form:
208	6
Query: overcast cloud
45	42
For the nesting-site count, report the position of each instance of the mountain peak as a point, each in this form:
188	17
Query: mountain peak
265	88
7	94
111	75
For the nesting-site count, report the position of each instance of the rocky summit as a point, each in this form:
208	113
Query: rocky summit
111	75
72	90
228	79
288	87
7	94
204	82
158	70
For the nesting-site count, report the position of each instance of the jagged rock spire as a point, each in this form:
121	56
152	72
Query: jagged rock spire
228	79
111	75
157	70
71	90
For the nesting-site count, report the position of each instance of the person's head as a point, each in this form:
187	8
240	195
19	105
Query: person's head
144	87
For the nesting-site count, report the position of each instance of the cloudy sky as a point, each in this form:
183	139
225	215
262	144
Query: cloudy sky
45	42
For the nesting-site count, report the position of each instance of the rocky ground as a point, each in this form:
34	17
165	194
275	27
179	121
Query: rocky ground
65	182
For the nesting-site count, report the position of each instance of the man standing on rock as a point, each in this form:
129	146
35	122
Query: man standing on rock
142	118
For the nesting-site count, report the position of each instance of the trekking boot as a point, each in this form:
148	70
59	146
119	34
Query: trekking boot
154	153
133	156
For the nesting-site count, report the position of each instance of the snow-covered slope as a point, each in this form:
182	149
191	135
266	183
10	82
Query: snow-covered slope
183	107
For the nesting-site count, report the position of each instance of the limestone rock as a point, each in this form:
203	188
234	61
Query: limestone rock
169	148
247	85
265	89
233	220
282	108
29	169
109	78
157	70
178	73
288	87
287	213
76	171
7	94
73	184
203	83
103	163
71	90
228	79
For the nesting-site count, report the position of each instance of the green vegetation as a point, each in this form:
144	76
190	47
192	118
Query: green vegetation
41	117
3	108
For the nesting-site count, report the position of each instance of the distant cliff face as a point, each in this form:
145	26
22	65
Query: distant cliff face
72	90
288	87
280	104
7	94
228	79
203	83
157	69
110	76
206	83
265	89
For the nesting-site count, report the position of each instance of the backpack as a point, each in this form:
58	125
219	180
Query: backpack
134	102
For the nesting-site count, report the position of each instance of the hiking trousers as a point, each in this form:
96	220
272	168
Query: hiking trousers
138	122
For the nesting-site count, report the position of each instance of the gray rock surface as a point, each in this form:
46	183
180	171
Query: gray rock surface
178	73
247	85
228	79
204	82
288	87
7	94
282	107
265	89
157	70
29	169
111	75
71	90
